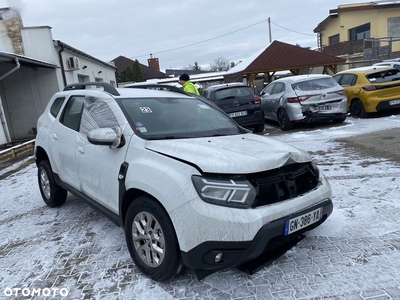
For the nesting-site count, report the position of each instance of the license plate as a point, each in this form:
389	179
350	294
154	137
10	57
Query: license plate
394	102
324	107
238	114
303	221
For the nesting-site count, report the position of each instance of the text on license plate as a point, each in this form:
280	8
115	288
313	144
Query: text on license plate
394	102
324	107
302	221
238	114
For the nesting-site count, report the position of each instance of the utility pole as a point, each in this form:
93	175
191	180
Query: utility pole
269	30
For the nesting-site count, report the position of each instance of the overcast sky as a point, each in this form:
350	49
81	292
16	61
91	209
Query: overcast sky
177	32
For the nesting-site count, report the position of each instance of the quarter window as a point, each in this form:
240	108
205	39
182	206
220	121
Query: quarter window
55	107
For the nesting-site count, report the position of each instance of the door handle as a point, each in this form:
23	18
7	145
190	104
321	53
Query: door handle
81	150
55	137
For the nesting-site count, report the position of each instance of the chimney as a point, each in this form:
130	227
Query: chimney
10	31
153	63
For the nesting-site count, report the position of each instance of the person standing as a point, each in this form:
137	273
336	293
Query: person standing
188	86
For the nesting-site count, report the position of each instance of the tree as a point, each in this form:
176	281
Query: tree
220	64
135	74
195	66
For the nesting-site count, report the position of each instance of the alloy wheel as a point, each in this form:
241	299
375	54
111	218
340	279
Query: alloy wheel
45	183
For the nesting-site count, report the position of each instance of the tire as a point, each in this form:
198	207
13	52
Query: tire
151	240
357	109
260	127
53	195
283	120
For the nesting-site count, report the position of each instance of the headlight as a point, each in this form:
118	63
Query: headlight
234	192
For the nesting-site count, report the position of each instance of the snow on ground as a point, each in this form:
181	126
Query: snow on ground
355	254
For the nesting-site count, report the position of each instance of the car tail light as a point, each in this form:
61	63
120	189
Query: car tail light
369	88
297	99
257	99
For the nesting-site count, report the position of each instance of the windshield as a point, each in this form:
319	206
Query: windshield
169	118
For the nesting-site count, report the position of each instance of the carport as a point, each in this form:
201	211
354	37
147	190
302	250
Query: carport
26	85
279	56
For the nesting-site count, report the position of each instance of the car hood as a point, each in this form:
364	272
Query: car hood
235	154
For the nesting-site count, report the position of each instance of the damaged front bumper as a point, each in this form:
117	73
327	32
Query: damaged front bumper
269	244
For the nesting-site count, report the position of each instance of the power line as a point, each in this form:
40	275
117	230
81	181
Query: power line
292	30
217	37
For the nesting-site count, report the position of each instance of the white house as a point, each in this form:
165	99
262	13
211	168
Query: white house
33	67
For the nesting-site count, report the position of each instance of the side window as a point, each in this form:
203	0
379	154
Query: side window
55	108
72	112
279	87
397	66
97	114
348	80
269	89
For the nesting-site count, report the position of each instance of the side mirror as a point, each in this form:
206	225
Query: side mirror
104	136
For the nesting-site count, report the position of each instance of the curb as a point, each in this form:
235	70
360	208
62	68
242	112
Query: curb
16	151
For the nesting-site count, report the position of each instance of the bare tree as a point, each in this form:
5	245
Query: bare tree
220	64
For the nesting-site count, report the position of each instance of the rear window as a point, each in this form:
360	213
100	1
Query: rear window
315	84
231	93
384	76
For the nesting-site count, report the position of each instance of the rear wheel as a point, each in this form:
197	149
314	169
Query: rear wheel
357	109
151	240
52	194
283	120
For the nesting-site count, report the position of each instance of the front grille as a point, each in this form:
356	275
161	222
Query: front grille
284	183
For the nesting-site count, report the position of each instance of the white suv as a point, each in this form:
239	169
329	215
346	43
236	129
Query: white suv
189	186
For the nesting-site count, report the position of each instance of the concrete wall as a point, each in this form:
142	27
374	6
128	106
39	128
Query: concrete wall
25	93
38	44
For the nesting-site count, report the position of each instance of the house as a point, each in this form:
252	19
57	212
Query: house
151	72
33	67
362	33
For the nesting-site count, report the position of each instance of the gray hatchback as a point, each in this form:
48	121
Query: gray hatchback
239	102
304	98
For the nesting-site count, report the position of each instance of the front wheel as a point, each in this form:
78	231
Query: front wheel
283	120
151	240
52	194
357	109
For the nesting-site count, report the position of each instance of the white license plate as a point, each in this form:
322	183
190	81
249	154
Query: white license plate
394	102
303	221
238	114
324	107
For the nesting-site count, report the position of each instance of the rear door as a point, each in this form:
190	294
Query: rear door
270	99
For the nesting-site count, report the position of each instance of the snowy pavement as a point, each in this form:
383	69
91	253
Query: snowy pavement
74	252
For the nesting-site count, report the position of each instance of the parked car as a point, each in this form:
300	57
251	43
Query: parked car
189	186
393	63
239	102
370	89
304	99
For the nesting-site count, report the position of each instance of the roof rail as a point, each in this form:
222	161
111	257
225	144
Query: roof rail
82	86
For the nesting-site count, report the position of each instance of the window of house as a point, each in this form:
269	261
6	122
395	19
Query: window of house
1	16
360	33
334	39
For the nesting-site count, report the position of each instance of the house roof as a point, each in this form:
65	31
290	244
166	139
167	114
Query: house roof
122	62
70	48
24	60
279	56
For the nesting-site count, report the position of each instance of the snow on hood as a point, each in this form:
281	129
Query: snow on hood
235	154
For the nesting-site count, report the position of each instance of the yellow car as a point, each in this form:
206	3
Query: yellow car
370	89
